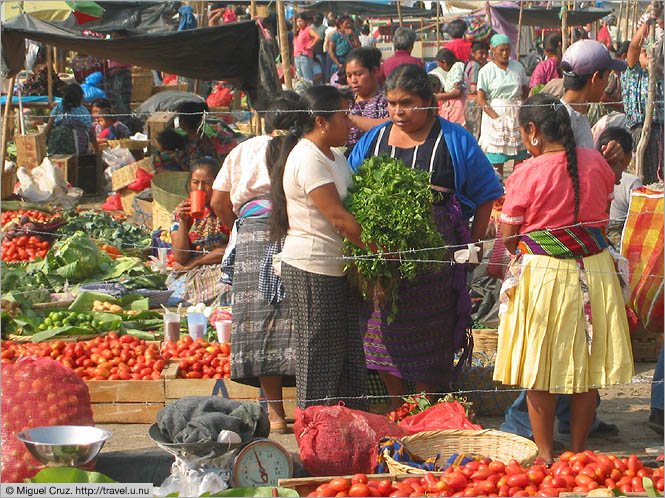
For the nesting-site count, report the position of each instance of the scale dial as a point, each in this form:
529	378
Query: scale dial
261	463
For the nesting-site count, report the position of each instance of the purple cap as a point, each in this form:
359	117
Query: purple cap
588	56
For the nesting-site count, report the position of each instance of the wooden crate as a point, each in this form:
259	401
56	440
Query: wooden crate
156	123
126	401
305	485
69	164
176	388
646	344
30	150
142	86
9	179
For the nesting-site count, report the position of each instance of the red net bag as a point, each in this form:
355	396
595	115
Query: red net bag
37	392
335	440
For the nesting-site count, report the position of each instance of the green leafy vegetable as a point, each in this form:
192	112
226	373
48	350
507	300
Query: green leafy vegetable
85	300
74	258
68	475
60	331
393	205
103	227
262	491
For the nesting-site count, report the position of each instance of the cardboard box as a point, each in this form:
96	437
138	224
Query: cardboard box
69	164
158	122
30	150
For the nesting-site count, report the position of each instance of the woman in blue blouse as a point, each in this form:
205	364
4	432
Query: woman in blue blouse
433	320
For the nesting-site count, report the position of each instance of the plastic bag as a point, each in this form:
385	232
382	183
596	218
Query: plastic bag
116	158
194	479
142	182
439	417
37	392
335	440
45	183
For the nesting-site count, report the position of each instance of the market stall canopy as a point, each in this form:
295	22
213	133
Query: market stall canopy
83	11
543	16
133	17
372	9
233	52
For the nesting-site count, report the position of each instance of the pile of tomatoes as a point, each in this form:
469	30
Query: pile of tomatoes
24	248
198	359
102	358
34	215
573	472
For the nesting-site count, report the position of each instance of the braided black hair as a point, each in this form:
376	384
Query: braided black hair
72	97
320	101
554	123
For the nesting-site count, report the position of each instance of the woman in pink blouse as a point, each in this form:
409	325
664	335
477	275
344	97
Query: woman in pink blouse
549	68
563	326
303	47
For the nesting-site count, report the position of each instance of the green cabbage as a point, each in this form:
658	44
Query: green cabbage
74	258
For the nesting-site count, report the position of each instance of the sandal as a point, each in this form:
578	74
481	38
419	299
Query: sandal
279	427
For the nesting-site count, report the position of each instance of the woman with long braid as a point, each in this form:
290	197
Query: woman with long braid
563	327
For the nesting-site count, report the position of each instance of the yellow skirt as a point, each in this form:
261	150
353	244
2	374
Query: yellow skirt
542	341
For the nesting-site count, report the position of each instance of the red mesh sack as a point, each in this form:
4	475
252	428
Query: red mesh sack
142	182
440	417
113	203
37	392
335	440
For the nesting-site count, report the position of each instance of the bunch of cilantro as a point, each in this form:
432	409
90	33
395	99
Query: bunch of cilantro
104	228
394	206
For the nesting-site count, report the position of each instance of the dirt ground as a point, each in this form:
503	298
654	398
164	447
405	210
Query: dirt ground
625	405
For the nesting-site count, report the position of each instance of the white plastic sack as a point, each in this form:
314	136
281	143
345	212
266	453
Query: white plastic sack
45	183
117	157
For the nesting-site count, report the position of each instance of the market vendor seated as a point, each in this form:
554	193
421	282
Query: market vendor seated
198	244
69	127
104	125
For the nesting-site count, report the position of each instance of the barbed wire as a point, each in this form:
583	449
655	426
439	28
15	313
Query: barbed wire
244	113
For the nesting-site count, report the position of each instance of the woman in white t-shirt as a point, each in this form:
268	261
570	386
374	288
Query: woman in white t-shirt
263	346
309	181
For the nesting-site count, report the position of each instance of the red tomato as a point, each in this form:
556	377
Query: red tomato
385	487
358	479
496	467
359	488
517	480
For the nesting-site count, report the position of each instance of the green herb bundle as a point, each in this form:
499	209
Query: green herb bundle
394	206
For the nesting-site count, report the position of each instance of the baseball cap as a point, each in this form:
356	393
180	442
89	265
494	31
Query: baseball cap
588	56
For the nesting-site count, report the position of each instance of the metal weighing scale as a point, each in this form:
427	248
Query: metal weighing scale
261	462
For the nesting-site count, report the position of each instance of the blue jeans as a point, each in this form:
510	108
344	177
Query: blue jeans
304	69
518	422
657	389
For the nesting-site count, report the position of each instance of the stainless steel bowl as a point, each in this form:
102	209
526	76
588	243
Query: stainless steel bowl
64	445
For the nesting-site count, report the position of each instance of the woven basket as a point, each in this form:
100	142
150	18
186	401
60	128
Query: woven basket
128	143
9	179
485	340
490	443
161	218
122	177
127	200
170	188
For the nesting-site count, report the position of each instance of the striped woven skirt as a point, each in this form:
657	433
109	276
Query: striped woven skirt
262	342
331	363
433	317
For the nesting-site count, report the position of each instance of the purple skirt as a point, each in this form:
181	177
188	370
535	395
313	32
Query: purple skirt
433	319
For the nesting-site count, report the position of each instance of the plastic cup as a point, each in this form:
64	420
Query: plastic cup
223	331
196	325
197	199
171	326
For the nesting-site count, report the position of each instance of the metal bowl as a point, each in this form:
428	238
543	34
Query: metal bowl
64	445
210	449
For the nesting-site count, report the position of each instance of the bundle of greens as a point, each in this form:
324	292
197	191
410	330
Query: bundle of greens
393	205
103	227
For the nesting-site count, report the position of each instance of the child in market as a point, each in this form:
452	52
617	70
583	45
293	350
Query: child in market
451	99
171	153
479	53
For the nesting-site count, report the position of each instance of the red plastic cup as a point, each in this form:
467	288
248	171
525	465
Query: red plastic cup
197	199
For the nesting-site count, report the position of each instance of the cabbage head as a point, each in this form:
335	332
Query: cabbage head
75	258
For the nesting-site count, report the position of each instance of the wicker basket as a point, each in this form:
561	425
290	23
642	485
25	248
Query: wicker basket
128	143
127	199
490	443
170	188
9	179
485	340
161	218
122	177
